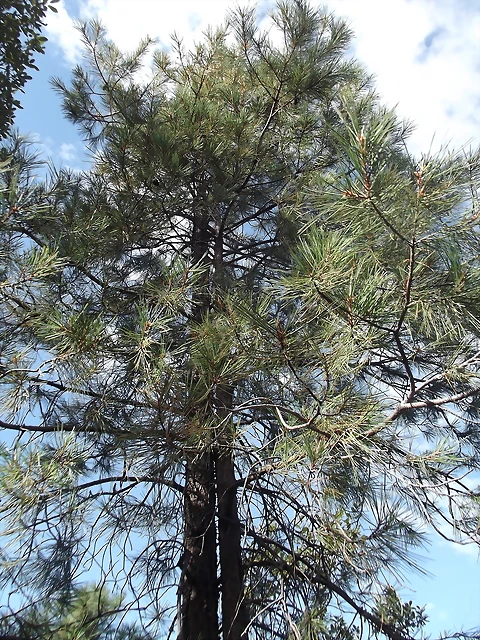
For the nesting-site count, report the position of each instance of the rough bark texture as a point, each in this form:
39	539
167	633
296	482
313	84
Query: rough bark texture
210	495
234	612
199	583
198	588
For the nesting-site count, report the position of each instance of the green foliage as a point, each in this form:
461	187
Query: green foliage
86	613
404	617
21	24
255	319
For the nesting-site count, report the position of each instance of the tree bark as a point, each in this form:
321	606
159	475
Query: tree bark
210	485
199	593
198	587
234	610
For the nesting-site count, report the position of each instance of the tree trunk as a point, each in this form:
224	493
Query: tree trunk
199	583
234	611
210	483
198	587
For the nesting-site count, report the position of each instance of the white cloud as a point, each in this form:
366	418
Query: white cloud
61	30
426	59
67	152
128	22
424	53
471	550
44	145
454	541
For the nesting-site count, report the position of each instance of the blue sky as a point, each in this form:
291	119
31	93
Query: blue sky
426	58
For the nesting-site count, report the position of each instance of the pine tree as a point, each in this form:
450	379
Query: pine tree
86	612
240	354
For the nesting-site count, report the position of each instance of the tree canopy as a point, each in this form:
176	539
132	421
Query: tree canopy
239	356
21	23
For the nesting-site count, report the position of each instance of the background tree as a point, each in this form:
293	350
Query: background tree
406	618
85	612
21	23
240	355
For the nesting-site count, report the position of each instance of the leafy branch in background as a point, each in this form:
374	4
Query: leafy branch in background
85	612
21	23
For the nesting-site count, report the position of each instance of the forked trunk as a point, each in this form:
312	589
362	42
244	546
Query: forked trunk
210	496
